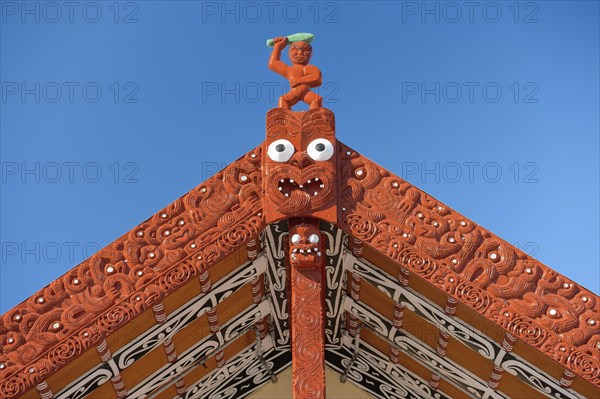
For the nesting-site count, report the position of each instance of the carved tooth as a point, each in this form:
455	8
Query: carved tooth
319	253
315	193
322	186
316	249
282	181
295	250
308	251
308	182
301	186
287	195
291	180
301	251
280	188
316	179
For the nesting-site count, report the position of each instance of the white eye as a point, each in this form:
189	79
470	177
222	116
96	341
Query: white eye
320	149
313	239
281	150
295	238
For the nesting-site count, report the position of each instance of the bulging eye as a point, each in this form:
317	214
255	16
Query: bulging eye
313	238
295	238
281	150
320	149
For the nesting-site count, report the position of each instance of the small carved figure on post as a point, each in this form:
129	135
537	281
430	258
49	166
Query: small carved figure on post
300	74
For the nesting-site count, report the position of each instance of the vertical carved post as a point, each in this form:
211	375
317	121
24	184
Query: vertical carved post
307	260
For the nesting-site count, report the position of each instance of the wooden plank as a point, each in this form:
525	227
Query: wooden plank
228	264
65	376
234	304
410	364
130	331
513	387
104	391
191	334
412	323
31	394
181	296
142	368
469	359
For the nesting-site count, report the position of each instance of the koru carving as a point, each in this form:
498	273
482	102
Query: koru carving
299	165
307	262
129	276
531	301
300	74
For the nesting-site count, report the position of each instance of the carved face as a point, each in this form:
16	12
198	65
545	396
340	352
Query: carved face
299	164
306	247
300	53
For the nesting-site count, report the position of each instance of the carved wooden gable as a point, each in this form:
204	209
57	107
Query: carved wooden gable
418	301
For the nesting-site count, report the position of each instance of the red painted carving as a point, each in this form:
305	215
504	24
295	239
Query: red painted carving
132	274
531	301
308	338
299	165
300	74
306	247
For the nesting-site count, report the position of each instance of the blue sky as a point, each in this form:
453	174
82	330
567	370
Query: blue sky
110	111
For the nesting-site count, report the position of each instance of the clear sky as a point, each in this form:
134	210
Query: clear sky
110	111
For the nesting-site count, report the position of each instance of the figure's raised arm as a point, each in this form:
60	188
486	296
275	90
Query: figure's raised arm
275	63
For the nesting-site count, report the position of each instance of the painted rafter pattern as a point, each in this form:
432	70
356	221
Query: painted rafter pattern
89	380
373	372
499	354
132	274
529	300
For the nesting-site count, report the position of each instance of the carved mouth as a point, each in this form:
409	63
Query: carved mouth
303	254
312	187
306	258
299	59
295	194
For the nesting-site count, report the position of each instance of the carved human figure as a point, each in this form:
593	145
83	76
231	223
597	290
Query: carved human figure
300	74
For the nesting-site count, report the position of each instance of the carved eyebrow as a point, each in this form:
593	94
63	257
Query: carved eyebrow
301	47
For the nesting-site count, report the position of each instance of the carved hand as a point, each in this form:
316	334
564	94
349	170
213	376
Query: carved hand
280	42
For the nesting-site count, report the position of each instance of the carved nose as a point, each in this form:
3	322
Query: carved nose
420	230
301	160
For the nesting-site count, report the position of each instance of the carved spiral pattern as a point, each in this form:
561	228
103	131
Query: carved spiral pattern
471	264
423	267
473	296
527	331
130	275
308	339
584	363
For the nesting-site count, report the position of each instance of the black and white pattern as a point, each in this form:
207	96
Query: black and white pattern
374	373
204	349
466	334
421	352
156	335
242	375
276	279
371	370
336	284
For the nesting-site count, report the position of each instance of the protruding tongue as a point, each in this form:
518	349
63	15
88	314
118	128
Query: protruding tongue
299	199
